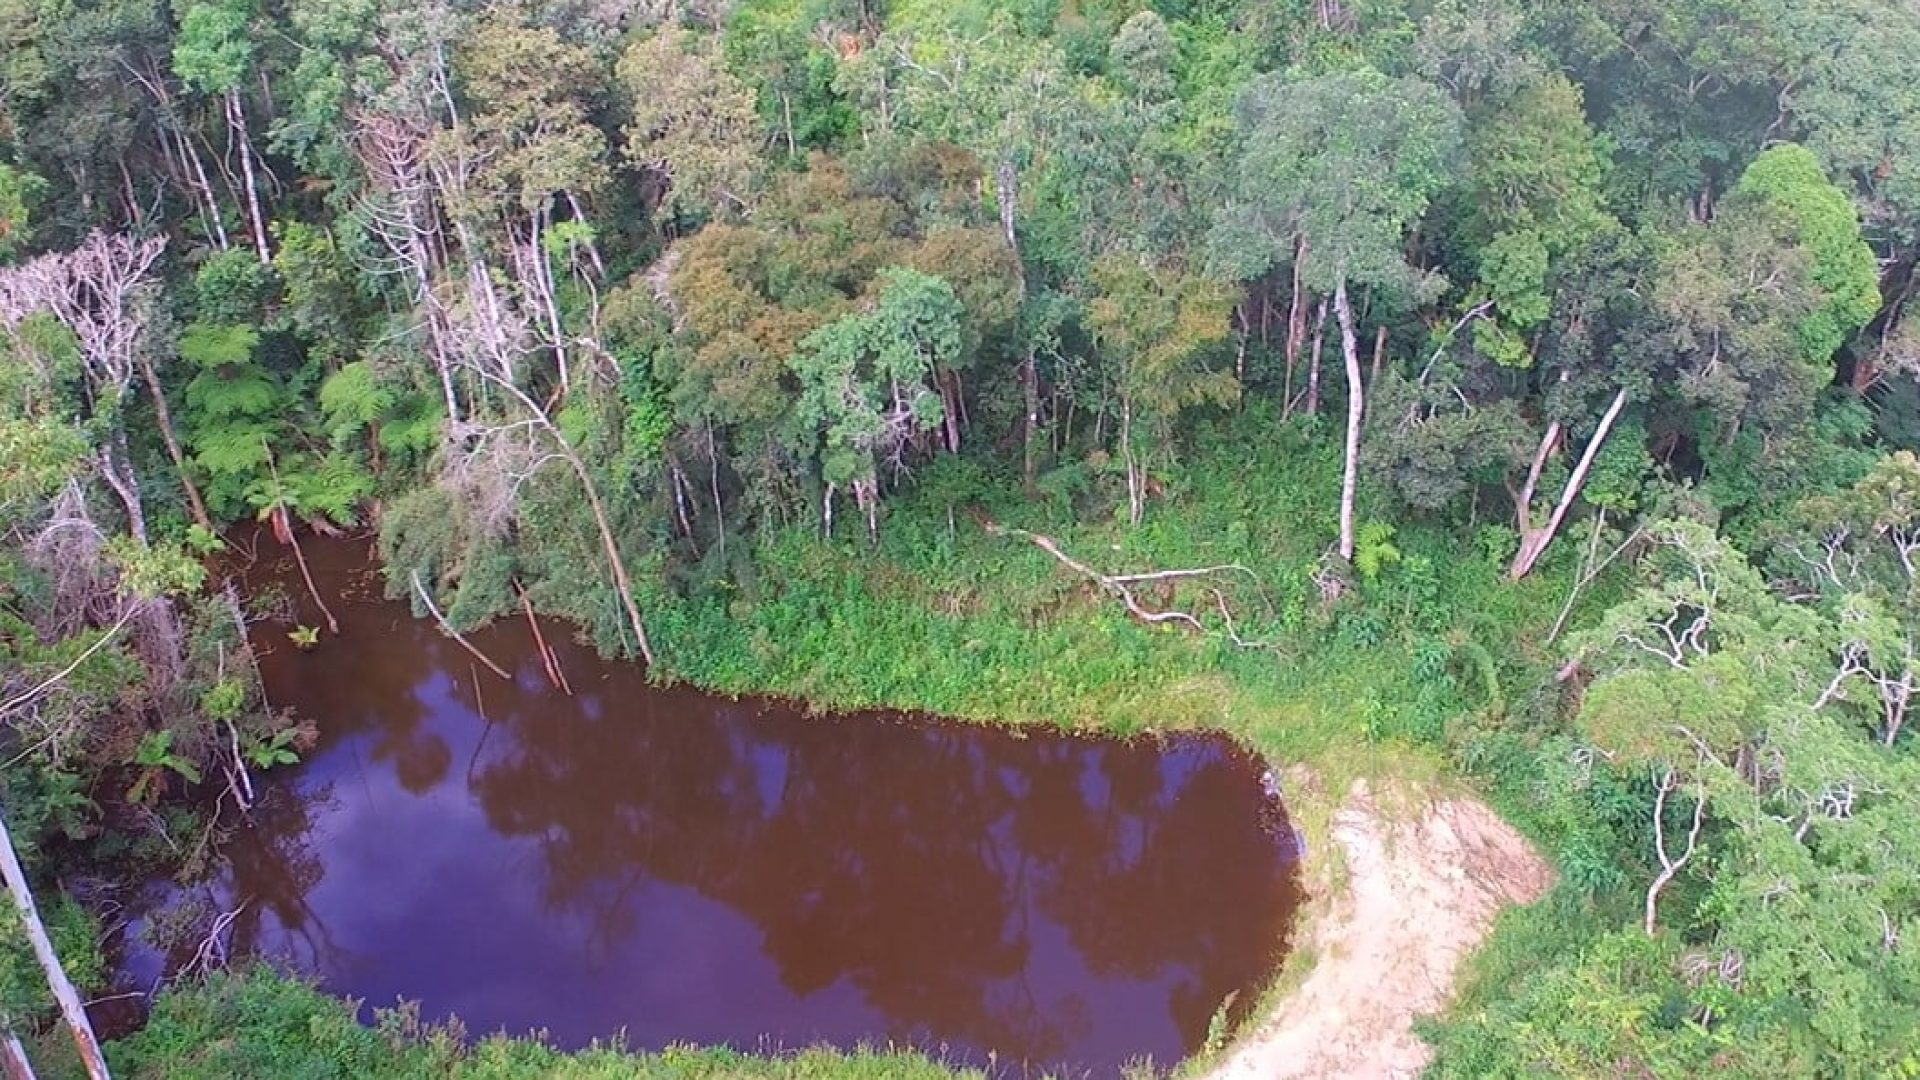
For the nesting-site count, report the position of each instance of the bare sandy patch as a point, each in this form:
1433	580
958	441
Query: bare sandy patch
1420	887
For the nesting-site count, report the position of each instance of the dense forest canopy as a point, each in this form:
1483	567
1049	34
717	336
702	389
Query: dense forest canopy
590	300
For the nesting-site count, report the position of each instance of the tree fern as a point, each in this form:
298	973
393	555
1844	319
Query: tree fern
218	345
353	399
214	396
1373	550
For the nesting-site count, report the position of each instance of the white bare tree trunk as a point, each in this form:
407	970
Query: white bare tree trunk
237	124
1533	543
1356	412
68	998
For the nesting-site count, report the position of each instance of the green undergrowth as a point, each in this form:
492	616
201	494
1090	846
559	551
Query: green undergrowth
946	616
258	1024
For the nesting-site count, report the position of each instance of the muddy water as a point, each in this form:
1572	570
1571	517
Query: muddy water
687	868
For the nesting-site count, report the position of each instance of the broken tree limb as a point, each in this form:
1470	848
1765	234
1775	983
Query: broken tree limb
1168	575
434	611
548	659
1533	543
1117	585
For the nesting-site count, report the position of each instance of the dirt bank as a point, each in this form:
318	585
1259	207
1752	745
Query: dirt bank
1416	890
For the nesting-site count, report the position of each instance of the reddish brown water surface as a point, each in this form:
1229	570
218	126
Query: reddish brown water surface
691	869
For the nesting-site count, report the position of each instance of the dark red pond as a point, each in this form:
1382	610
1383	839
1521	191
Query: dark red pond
691	869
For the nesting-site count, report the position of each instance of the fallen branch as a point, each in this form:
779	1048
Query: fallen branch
1114	587
1233	634
212	953
452	633
1169	575
548	659
1117	585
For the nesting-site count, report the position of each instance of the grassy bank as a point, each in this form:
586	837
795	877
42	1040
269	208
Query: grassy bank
263	1026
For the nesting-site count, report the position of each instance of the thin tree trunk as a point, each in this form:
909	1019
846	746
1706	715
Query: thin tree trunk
164	416
237	119
1356	409
126	486
1533	545
283	531
1136	508
434	610
300	559
71	1008
1313	365
950	401
1379	355
1296	317
1241	333
1669	866
611	546
713	484
1007	192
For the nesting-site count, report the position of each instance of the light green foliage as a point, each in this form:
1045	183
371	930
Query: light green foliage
864	377
1349	160
928	246
529	115
19	190
262	1024
320	303
353	399
24	997
215	48
1157	329
1789	179
694	124
776	47
1739	293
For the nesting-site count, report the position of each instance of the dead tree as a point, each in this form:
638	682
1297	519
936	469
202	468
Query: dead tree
495	339
100	291
1670	864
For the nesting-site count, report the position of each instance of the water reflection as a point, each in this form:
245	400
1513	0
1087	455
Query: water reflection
691	869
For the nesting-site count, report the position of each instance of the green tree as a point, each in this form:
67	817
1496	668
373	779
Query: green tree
213	54
1333	171
866	384
694	126
1155	328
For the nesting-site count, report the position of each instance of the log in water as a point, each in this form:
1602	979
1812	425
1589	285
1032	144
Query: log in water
683	867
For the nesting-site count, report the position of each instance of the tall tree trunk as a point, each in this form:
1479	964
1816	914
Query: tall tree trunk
1007	191
1670	866
237	122
949	382
1533	544
126	486
165	417
1356	410
1136	501
71	1008
1296	313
